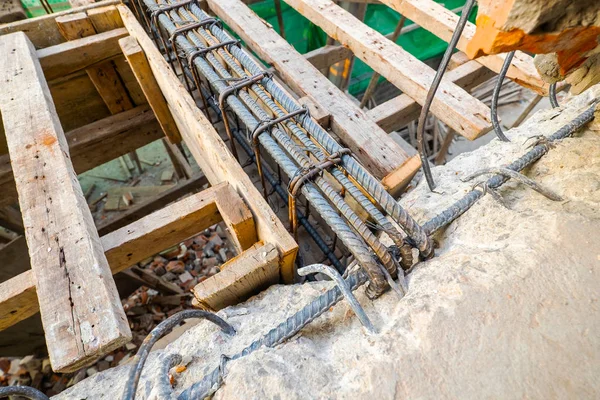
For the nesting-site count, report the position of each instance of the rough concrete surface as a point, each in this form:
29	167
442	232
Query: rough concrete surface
509	307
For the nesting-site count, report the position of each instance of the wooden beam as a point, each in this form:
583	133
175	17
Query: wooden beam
209	150
80	306
455	107
96	144
396	113
254	268
441	22
141	69
43	31
140	210
123	248
104	76
326	56
382	156
66	58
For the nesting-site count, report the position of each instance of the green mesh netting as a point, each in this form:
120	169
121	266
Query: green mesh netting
33	8
305	36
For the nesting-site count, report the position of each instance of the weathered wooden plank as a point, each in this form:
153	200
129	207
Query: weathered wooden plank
379	153
454	106
441	22
42	31
104	75
105	18
123	248
209	150
326	56
80	306
11	10
142	209
239	278
141	69
66	58
396	113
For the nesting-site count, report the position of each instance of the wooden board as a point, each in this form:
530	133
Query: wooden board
141	69
396	113
254	268
104	75
81	310
454	106
123	248
142	209
441	22
66	58
375	150
326	56
210	152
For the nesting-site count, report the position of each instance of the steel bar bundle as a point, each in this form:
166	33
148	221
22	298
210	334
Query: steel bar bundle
197	45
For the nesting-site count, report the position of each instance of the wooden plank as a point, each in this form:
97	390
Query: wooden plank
108	18
96	144
454	106
396	113
140	210
112	137
66	58
326	56
105	18
42	31
237	217
379	153
104	75
123	248
75	26
81	310
11	10
441	22
210	152
141	69
253	268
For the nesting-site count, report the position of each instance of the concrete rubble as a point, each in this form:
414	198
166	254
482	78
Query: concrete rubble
507	309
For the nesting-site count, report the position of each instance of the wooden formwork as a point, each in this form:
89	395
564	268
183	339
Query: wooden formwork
78	91
96	87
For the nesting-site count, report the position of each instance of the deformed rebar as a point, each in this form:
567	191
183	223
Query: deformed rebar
552	96
461	206
496	94
460	26
24	391
292	325
509	173
161	329
346	292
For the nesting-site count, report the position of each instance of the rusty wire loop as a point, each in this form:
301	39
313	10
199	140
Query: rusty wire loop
302	176
346	292
493	192
509	173
158	332
439	74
